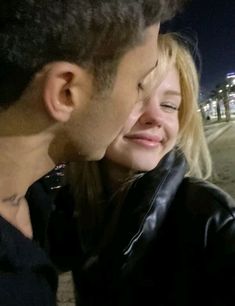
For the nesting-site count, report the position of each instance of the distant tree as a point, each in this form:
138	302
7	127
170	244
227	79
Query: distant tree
227	106
216	97
224	91
202	111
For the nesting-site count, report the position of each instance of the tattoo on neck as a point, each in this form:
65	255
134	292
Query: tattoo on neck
14	200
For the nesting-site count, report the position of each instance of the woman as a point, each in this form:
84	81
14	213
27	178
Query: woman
150	230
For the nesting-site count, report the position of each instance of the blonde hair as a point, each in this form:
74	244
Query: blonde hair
86	177
191	138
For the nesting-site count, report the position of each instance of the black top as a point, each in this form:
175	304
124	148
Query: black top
27	277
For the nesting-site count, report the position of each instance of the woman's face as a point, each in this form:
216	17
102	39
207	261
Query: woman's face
151	129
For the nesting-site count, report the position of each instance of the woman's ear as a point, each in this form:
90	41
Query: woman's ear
64	89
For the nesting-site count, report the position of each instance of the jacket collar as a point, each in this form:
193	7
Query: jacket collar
146	206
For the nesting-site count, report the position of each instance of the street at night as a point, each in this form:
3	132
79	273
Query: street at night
222	151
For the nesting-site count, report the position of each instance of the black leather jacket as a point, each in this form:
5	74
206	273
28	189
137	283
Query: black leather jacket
174	245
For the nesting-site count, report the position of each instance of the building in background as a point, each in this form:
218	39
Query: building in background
221	102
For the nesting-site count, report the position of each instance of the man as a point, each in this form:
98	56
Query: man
70	73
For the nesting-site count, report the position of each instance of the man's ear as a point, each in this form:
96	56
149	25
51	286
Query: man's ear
64	89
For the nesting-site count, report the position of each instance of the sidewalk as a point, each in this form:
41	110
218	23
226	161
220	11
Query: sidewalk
214	130
65	294
223	156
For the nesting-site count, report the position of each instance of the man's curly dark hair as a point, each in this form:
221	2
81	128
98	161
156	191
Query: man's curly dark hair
91	33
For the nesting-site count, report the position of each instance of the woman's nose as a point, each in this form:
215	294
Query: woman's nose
152	115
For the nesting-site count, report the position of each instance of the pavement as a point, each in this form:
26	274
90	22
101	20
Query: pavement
221	141
65	293
214	130
222	150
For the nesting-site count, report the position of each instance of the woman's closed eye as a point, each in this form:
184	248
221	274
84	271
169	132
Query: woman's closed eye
169	107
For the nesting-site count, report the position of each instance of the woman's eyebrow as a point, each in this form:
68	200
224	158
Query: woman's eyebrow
173	92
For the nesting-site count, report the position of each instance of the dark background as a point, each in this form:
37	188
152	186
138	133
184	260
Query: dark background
211	25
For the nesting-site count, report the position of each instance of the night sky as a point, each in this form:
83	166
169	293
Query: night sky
212	23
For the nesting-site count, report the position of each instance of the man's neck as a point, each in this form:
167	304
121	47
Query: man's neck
26	137
22	162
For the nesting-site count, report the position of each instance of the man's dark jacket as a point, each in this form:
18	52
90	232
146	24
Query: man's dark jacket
27	276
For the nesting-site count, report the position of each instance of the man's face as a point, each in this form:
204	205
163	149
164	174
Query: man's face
95	126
